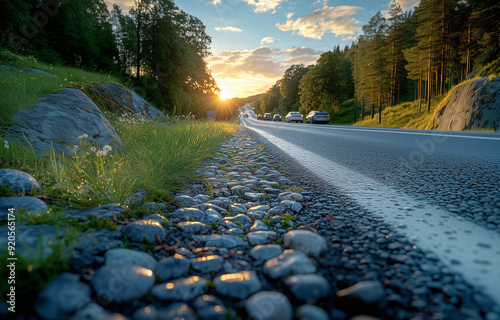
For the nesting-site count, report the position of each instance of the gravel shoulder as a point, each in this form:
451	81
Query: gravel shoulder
256	237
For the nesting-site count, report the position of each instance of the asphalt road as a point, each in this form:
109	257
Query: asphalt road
441	189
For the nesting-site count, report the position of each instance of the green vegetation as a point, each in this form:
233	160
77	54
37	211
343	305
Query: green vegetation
19	90
398	59
155	48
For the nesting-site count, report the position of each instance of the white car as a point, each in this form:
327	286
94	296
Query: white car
294	116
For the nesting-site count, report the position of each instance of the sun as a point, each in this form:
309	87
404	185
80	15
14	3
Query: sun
224	95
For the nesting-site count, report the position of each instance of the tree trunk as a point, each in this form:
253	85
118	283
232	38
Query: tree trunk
379	105
429	76
139	26
469	54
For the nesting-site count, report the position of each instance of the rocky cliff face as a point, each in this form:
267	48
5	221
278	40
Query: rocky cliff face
473	105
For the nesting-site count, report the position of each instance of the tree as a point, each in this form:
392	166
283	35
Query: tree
289	88
319	88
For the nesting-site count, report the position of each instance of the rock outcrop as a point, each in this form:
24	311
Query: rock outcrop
472	105
58	120
125	100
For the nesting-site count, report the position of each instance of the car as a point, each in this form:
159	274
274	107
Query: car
277	117
294	116
260	117
318	117
268	116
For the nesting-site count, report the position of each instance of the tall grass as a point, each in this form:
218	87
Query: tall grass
406	115
162	155
19	90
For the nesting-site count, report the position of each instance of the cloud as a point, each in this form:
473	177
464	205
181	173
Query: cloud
243	73
264	5
301	55
232	29
337	20
216	2
289	15
269	40
407	5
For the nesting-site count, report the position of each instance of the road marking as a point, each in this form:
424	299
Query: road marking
462	245
401	131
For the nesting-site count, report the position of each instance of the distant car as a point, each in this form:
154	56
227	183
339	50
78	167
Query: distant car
268	116
277	117
318	117
294	116
260	117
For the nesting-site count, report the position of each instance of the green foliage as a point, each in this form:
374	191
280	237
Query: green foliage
319	88
19	90
147	246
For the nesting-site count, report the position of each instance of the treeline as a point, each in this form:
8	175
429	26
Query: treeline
403	56
155	47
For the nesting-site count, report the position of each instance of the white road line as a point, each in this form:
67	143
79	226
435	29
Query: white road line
463	246
402	131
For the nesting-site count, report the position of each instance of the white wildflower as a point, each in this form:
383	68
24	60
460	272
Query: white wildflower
85	136
93	149
107	148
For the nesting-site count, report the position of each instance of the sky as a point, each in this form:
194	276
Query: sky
255	41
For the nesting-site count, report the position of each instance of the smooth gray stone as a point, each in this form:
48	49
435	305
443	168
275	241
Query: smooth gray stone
308	242
137	231
265	252
128	100
293	205
259	226
288	195
210	307
172	267
104	211
186	200
262	237
289	262
192	226
186	214
57	120
28	71
221	241
269	305
237	208
206	206
153	206
19	181
28	204
212	263
128	256
212	216
156	217
254	209
238	285
311	312
122	282
253	196
34	242
308	287
177	311
241	218
89	312
184	289
62	296
368	292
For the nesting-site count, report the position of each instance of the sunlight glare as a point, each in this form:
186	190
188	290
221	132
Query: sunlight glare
224	95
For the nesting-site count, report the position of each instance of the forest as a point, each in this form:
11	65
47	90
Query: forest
157	49
399	57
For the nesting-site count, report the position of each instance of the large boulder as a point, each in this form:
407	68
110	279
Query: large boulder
125	100
59	119
472	105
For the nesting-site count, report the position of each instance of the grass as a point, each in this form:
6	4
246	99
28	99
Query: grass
406	115
158	156
19	90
